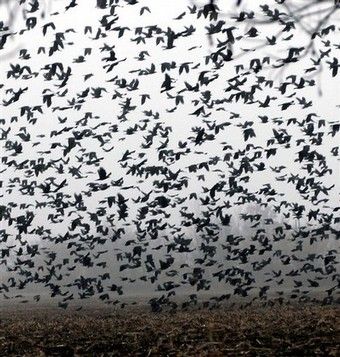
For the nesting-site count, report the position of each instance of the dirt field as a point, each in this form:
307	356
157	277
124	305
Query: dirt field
278	331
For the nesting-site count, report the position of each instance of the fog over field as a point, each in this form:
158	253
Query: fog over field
169	151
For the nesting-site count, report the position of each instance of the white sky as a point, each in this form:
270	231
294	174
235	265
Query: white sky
162	14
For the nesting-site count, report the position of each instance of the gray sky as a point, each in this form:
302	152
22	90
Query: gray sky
105	110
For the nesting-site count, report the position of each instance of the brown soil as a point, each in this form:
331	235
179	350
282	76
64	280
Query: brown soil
277	331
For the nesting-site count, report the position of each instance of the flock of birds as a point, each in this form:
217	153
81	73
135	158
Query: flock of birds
205	176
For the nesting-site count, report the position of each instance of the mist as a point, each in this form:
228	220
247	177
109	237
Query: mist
167	158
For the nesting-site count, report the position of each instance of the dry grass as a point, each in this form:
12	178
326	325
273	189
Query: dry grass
278	331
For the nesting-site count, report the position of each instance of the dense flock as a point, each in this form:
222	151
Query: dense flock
178	153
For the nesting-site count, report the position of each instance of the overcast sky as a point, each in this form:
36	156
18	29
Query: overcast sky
192	49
